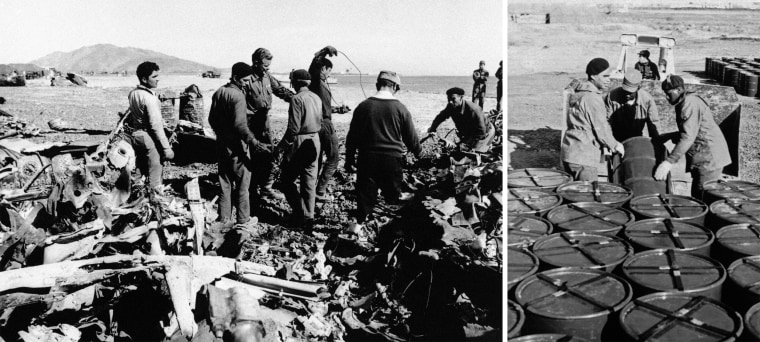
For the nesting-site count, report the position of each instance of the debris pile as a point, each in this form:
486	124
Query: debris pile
89	253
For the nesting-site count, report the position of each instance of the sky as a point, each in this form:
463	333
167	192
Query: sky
412	37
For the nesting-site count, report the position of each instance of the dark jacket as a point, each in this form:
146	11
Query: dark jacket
320	87
628	121
381	125
648	70
228	118
469	120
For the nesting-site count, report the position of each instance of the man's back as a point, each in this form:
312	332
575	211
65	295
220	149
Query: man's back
382	126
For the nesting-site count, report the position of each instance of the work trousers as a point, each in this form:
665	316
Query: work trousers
700	178
147	157
329	144
300	162
376	171
498	95
482	145
261	172
234	178
581	172
478	93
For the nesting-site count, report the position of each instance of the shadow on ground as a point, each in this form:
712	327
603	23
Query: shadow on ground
533	148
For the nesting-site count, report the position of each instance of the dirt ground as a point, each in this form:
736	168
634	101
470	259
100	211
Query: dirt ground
543	59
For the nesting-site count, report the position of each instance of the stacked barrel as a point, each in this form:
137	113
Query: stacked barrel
595	261
739	72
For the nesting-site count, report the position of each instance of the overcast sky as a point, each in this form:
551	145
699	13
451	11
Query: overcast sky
412	37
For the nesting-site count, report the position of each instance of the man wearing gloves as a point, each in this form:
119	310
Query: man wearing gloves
233	139
631	111
587	128
147	126
300	147
474	130
698	137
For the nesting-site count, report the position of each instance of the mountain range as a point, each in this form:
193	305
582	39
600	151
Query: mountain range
110	58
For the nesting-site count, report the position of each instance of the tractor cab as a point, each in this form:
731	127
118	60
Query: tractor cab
632	44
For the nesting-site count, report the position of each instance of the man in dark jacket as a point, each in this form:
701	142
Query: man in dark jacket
300	147
381	130
258	93
698	138
646	67
631	110
319	70
473	129
233	139
480	76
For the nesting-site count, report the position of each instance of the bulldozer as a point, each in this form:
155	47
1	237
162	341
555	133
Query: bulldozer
722	100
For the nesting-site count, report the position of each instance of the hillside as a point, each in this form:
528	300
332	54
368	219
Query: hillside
110	58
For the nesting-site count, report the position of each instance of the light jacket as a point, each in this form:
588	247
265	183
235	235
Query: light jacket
629	121
587	127
700	138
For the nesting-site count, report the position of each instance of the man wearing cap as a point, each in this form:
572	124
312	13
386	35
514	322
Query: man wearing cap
258	91
381	130
473	129
631	109
587	128
146	126
698	138
647	68
480	76
319	70
233	139
300	148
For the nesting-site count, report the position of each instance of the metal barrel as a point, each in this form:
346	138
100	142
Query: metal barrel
719	71
734	210
742	290
537	178
524	230
599	192
751	84
581	249
708	60
674	207
637	167
662	233
742	81
515	319
752	323
589	217
722	189
666	270
521	263
736	241
731	77
680	317
572	301
548	338
531	201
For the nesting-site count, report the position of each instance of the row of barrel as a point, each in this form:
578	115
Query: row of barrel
738	72
590	261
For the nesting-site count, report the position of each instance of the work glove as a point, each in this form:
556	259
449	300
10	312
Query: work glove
329	50
662	170
168	154
262	147
620	149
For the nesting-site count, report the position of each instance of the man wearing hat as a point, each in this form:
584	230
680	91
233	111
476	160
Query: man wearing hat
258	93
480	76
319	70
381	130
473	129
588	131
630	109
698	138
233	139
300	148
647	68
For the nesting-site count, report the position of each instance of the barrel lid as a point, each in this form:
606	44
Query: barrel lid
745	273
737	210
573	293
589	217
743	238
531	201
521	263
668	206
536	177
524	230
665	233
548	338
752	320
600	192
515	318
680	317
670	270
733	189
581	249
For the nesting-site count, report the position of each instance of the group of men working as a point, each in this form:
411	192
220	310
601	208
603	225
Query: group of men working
381	131
597	121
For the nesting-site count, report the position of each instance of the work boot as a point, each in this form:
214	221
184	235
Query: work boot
268	191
